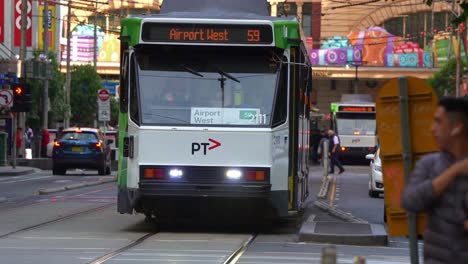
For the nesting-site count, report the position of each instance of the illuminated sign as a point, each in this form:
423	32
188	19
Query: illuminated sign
369	109
207	33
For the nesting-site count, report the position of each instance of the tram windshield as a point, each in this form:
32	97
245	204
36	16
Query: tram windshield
203	86
356	124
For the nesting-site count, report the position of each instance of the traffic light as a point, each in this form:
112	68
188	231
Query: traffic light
21	98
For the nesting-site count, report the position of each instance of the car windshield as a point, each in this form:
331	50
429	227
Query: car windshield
356	124
206	86
79	136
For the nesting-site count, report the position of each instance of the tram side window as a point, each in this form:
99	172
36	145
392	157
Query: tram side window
134	111
281	104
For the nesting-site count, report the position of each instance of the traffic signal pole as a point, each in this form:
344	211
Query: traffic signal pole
45	95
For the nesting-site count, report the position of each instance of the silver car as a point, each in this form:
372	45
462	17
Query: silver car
376	186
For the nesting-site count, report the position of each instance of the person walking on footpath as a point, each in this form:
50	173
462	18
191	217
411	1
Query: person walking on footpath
44	142
334	152
439	186
29	136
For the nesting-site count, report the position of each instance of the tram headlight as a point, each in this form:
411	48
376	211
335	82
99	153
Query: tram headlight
233	174
176	173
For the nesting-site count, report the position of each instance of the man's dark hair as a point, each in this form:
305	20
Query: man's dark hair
457	109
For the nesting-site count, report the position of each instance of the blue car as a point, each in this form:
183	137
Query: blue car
83	148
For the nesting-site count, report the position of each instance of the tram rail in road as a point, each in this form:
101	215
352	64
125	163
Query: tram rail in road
231	259
234	257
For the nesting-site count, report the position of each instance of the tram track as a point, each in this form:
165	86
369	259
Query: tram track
231	259
235	256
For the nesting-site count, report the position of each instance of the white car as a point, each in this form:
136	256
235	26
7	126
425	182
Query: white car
376	186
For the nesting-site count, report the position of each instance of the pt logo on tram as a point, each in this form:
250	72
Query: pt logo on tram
198	146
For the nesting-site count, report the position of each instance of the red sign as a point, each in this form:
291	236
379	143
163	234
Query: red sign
17	24
103	95
2	20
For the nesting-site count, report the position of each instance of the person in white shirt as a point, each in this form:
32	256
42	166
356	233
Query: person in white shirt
29	136
334	152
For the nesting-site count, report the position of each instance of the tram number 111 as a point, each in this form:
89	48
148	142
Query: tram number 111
258	118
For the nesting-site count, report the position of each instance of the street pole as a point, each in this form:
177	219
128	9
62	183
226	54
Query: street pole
356	80
66	122
22	73
95	37
45	92
457	79
407	162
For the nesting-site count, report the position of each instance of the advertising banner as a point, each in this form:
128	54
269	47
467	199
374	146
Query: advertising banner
17	24
51	14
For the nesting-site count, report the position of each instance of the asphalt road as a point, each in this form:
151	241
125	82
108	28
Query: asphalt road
82	225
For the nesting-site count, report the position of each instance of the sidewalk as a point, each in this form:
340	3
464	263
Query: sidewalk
324	223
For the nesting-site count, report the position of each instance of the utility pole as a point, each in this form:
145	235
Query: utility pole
95	36
457	79
22	58
45	94
66	122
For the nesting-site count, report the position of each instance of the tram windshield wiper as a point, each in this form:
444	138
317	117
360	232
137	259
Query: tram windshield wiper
192	71
228	75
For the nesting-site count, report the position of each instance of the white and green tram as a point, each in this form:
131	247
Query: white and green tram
214	115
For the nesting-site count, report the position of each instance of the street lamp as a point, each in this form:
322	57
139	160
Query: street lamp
356	64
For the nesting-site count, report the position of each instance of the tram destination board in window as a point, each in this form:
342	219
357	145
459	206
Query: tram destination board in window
207	33
362	109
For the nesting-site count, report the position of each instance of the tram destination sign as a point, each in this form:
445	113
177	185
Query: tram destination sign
343	108
207	33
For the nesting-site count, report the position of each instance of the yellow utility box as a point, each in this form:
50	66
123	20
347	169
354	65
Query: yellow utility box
421	106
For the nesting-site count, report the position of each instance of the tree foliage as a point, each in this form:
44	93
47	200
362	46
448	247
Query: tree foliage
56	98
464	10
445	79
85	83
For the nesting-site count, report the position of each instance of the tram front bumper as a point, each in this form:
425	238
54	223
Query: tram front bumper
204	190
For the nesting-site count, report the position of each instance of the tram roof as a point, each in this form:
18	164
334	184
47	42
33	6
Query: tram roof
216	9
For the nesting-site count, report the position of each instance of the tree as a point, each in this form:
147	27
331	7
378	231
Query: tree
445	79
464	10
57	106
85	83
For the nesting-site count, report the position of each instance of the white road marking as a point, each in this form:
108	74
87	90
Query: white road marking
29	179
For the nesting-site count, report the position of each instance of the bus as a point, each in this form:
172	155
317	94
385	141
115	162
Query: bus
354	122
214	112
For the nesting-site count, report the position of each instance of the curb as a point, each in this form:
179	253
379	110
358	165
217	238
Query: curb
12	172
322	194
51	190
377	236
77	185
345	216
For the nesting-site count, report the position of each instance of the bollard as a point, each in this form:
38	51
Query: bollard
328	255
359	260
3	148
325	158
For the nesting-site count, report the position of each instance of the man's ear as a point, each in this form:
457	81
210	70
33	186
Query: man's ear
456	131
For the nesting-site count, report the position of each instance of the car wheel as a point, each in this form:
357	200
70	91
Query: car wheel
108	170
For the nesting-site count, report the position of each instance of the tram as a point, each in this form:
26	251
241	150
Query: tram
214	111
353	119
